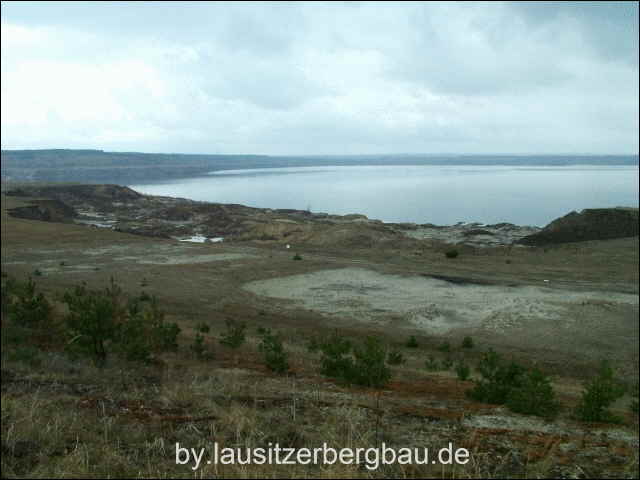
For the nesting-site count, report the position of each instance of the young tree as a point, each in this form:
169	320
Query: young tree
535	396
498	379
599	394
275	356
369	367
92	321
234	337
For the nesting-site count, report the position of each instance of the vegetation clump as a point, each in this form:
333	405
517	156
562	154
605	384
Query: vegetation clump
235	336
451	253
313	345
523	391
534	396
200	349
336	361
23	305
412	342
100	321
447	363
396	358
599	394
203	327
431	364
275	356
498	379
369	367
467	342
363	364
463	371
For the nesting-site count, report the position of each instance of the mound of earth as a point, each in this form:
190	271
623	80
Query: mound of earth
352	234
590	224
45	210
102	196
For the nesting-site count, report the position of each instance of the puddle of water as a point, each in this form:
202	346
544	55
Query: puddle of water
201	239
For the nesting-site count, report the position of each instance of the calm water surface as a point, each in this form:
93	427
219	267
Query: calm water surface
442	195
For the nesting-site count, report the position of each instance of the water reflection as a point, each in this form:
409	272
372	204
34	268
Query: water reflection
525	195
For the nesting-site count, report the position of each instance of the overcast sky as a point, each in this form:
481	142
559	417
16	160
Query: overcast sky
315	78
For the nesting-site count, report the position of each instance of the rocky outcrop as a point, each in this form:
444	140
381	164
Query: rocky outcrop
590	224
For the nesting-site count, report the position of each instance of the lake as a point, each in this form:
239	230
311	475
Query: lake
439	194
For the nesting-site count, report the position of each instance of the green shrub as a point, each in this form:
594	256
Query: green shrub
144	331
13	334
534	396
199	349
451	253
203	327
164	335
498	379
144	297
103	320
412	342
92	321
24	306
25	354
463	371
363	364
633	406
234	337
599	394
336	361
447	363
8	289
431	364
396	358
297	257
275	356
444	347
369	368
313	345
467	342
131	340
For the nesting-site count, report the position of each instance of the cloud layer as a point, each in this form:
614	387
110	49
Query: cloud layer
314	78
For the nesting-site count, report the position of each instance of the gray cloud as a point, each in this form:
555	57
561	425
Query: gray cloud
321	78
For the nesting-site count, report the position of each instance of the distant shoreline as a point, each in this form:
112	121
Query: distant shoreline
97	166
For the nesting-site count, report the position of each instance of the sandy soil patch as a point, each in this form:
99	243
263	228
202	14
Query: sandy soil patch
432	305
163	254
508	421
186	259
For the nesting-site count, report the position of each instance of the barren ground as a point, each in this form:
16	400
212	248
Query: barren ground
563	308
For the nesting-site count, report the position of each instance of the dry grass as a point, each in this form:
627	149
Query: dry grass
63	418
69	419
